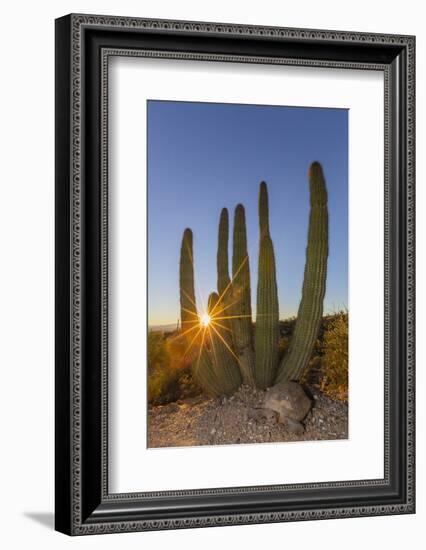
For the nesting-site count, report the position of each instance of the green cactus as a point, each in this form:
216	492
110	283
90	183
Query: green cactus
267	311
223	280
263	211
314	282
223	309
224	350
188	307
223	358
208	348
203	370
216	369
241	299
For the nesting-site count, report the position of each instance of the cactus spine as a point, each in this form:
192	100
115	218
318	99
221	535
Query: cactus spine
188	307
314	282
267	311
241	297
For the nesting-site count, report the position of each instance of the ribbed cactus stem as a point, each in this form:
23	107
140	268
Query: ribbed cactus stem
216	368
223	358
241	299
267	311
204	372
224	284
188	308
263	211
223	279
314	282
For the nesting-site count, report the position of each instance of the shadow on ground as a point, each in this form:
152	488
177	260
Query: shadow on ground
44	518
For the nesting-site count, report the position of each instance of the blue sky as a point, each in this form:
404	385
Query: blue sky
206	156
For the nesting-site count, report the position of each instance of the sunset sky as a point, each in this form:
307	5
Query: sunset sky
204	156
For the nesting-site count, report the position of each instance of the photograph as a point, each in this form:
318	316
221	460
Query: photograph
248	298
234	273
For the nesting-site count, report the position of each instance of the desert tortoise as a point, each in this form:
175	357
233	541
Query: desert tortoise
290	402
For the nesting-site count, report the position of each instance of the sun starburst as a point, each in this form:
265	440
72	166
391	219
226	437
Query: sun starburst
205	320
213	324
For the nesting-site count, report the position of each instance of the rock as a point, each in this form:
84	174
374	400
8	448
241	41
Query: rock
290	402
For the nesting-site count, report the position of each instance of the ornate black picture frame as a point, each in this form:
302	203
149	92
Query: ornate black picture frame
83	45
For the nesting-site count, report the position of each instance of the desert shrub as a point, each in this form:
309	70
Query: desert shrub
161	385
176	347
169	370
157	353
283	345
334	360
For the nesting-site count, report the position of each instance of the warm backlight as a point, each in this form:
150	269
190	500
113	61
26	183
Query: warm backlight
205	320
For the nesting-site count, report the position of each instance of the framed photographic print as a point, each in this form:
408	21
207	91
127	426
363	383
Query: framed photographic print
234	274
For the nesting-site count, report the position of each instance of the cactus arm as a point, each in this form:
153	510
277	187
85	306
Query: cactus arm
216	369
188	307
223	279
223	358
314	282
204	372
241	298
267	310
263	211
224	284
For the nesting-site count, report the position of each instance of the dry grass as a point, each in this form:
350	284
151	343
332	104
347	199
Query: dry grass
334	360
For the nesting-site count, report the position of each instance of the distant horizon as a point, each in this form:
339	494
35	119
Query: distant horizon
206	156
325	314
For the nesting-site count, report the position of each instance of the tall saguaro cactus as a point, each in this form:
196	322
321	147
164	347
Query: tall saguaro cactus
267	310
241	299
188	307
314	282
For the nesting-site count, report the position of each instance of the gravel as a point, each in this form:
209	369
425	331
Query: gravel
241	419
